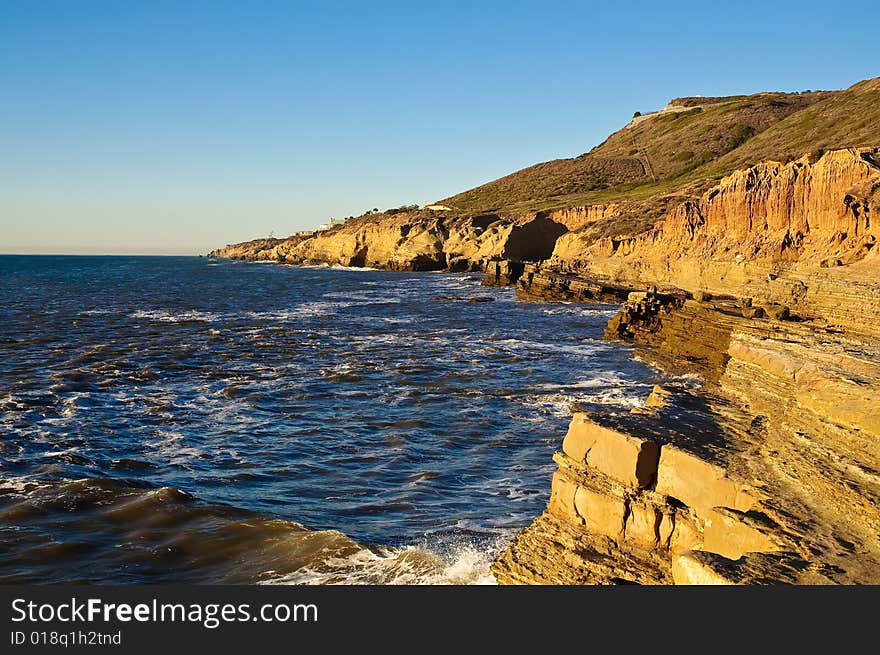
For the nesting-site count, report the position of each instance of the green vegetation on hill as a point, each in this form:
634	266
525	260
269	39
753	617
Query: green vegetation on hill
845	119
685	146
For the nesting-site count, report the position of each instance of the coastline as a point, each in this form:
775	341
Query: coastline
615	517
764	473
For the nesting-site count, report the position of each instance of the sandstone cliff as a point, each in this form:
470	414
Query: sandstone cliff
767	471
414	241
800	234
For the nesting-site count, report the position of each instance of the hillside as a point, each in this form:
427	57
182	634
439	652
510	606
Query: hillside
687	145
844	119
661	166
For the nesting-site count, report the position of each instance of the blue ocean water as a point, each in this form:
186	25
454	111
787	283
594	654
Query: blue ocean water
185	419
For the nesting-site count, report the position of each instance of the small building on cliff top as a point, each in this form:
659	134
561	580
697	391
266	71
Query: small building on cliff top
333	222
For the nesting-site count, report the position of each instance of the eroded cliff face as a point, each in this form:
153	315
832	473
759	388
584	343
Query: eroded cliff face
767	211
802	234
258	249
414	241
577	217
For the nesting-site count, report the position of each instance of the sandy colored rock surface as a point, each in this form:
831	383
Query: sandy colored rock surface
602	513
624	457
766	473
418	241
698	483
733	534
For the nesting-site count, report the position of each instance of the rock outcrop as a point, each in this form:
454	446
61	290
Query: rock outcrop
778	233
259	250
414	241
766	471
765	474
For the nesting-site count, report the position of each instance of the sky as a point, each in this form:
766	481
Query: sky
177	127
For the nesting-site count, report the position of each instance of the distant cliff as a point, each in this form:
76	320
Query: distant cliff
801	233
413	241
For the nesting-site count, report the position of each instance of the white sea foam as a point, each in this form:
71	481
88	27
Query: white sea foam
62	453
385	320
582	348
578	310
282	315
462	564
321	307
603	390
365	297
340	267
95	312
168	317
173	448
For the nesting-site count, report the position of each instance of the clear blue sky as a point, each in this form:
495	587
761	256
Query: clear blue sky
180	126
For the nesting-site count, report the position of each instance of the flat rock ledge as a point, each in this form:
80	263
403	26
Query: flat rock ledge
766	471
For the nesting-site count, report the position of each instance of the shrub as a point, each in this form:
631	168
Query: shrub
401	209
740	134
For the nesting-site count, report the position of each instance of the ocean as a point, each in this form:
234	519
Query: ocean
180	419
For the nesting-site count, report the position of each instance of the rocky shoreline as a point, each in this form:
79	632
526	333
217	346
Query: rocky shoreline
765	289
764	472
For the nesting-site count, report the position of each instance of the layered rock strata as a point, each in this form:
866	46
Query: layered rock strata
537	283
769	474
413	241
800	234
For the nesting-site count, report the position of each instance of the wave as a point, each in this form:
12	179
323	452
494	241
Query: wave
579	310
166	534
607	390
303	310
366	297
465	564
323	265
586	347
